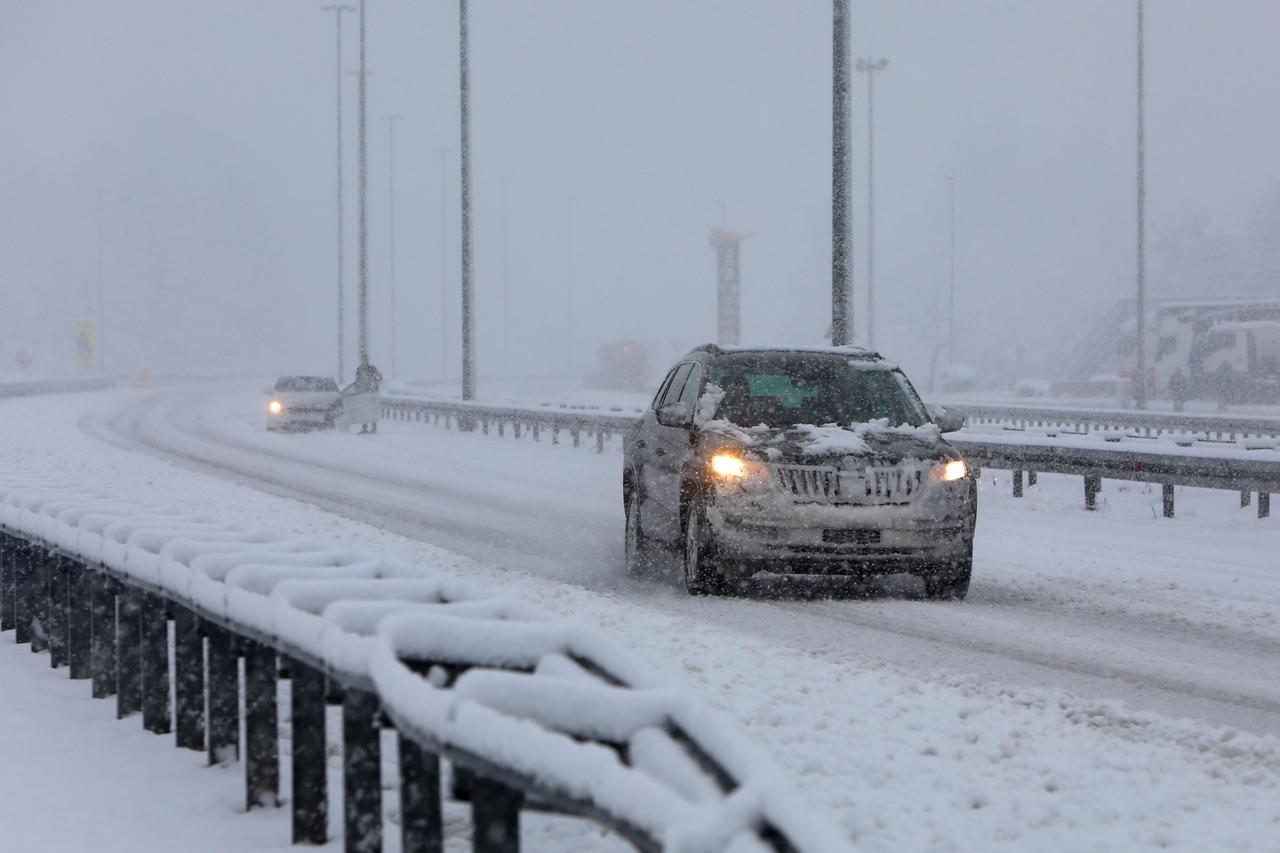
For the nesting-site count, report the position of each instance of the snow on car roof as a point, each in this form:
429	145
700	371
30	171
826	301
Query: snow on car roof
850	351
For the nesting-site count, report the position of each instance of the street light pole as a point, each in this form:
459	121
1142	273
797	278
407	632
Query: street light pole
364	196
870	67
841	180
951	262
444	245
391	225
337	10
1140	381
506	287
468	311
102	369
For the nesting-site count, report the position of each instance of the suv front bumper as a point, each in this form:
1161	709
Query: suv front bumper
786	537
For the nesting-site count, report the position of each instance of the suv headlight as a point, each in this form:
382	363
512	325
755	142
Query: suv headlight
275	407
948	472
732	466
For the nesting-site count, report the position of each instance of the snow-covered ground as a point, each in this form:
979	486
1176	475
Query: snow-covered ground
1113	681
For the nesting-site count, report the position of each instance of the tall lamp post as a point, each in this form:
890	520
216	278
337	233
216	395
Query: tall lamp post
364	195
951	272
444	246
337	10
102	367
391	224
841	180
468	311
1140	381
870	67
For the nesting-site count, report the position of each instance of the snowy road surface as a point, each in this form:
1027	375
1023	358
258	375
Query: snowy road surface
988	724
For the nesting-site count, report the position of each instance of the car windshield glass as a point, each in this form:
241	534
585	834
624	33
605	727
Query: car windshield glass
306	383
786	389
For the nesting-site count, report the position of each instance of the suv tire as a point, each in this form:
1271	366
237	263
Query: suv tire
637	550
952	583
698	554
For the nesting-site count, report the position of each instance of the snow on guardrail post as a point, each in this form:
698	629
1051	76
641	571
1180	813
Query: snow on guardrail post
310	806
102	644
59	591
1092	485
79	620
222	674
7	546
128	653
154	647
361	771
262	758
188	680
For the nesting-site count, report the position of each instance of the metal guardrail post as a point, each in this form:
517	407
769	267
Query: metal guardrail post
223	674
1092	485
1264	504
600	441
1031	478
102	646
1167	499
8	550
79	620
361	772
20	567
262	759
1244	498
155	665
495	817
188	679
1017	483
59	595
421	817
38	596
310	805
128	653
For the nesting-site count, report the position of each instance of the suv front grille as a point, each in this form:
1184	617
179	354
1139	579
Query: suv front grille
822	484
809	483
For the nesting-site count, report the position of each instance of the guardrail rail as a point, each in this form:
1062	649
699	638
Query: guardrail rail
528	712
1241	455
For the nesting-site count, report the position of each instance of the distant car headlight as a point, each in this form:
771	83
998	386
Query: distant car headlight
730	466
275	407
947	472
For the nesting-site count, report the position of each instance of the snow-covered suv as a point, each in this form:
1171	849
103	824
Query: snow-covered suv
798	462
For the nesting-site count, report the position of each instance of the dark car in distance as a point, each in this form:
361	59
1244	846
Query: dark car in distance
798	461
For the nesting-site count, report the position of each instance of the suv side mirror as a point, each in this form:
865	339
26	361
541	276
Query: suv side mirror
673	415
946	419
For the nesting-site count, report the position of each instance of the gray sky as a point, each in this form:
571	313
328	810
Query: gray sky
620	127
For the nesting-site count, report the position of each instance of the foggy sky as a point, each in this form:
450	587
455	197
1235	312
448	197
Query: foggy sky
620	128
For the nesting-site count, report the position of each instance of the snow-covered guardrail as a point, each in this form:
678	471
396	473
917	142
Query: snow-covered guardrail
35	388
1236	460
527	710
1228	428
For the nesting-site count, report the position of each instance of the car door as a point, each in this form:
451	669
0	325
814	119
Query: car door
675	444
640	452
660	516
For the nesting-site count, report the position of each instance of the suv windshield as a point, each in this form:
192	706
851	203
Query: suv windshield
306	383
786	389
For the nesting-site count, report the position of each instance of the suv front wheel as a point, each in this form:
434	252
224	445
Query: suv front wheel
701	576
952	582
636	547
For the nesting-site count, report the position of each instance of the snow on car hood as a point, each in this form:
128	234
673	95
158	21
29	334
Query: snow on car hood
818	443
305	399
